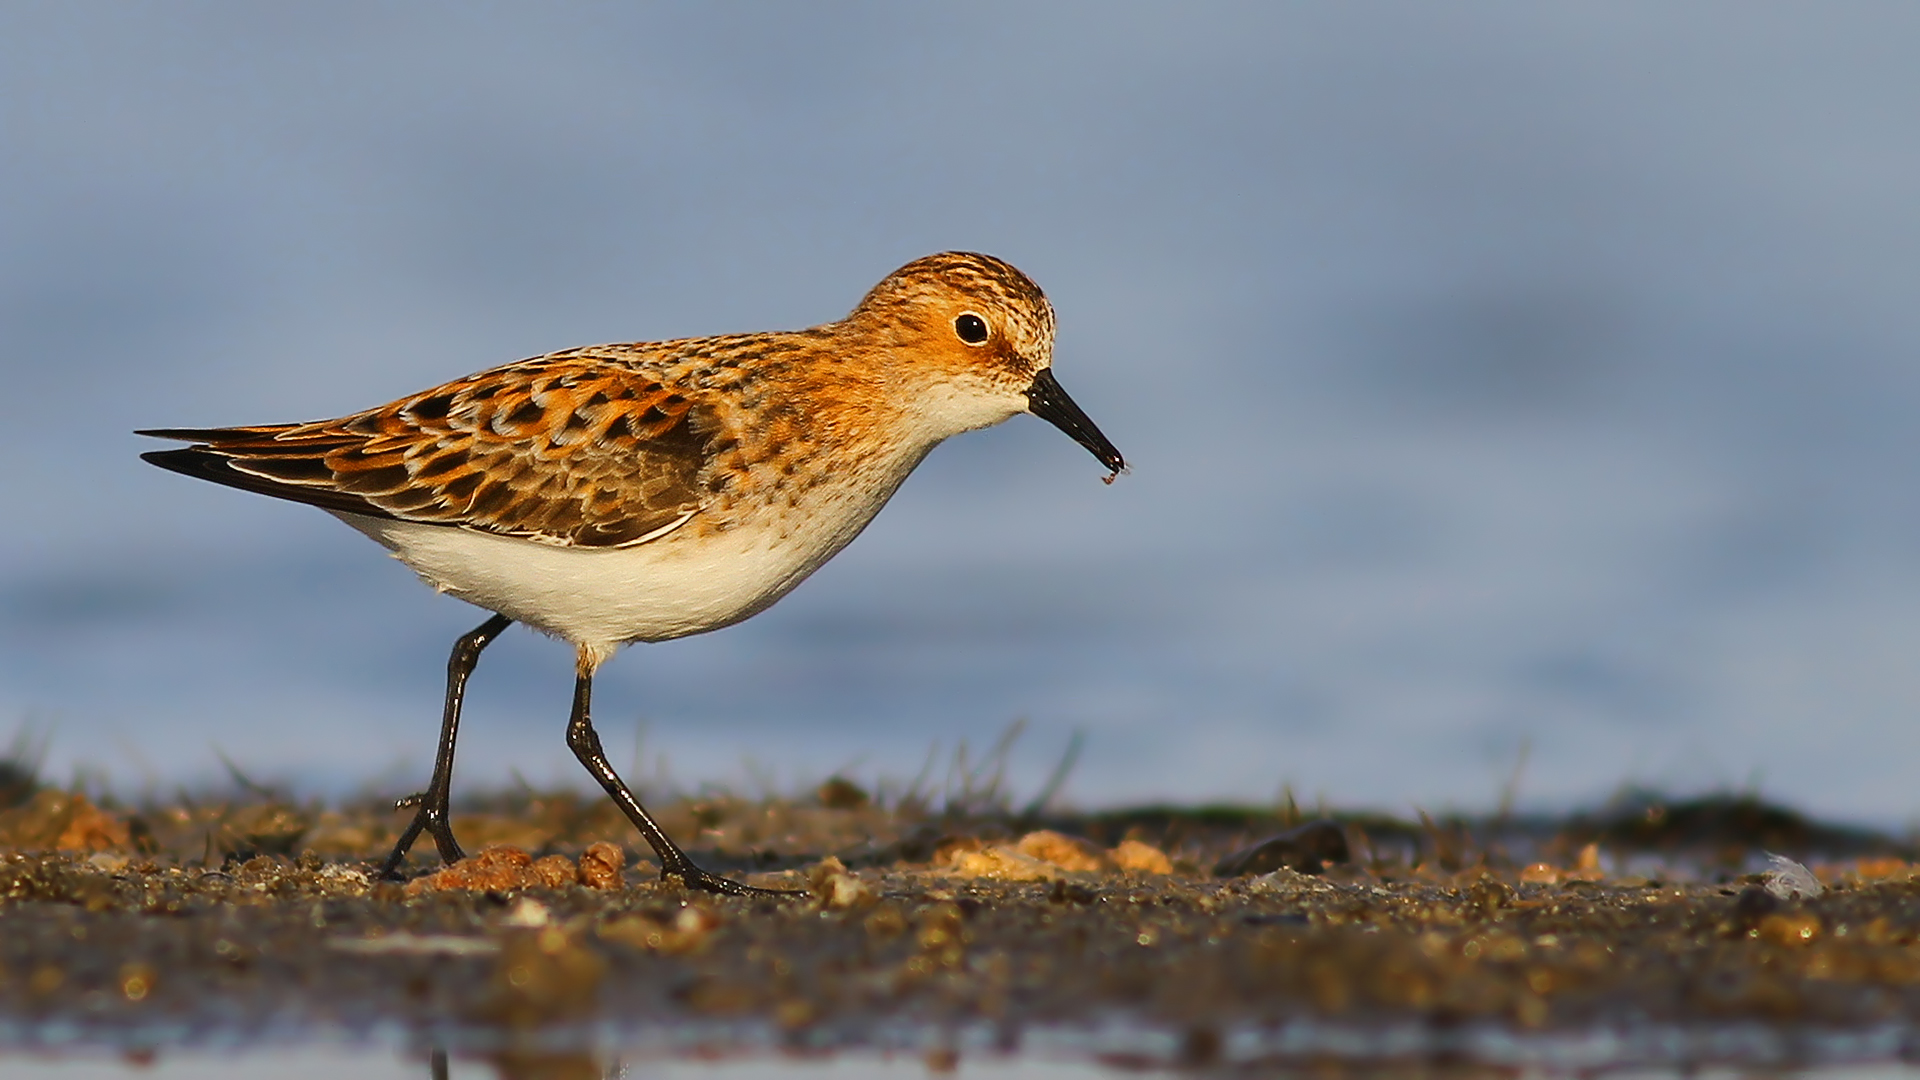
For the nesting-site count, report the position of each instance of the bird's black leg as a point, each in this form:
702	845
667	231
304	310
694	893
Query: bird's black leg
673	862
431	813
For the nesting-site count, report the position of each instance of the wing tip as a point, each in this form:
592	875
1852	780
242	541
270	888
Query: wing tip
207	463
195	461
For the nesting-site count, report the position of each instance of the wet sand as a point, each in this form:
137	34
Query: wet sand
1649	933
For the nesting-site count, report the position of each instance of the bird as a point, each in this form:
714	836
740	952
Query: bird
641	492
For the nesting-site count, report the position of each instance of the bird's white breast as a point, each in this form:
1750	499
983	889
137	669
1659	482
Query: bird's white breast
688	581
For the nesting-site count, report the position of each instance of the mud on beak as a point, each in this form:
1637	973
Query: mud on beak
1048	401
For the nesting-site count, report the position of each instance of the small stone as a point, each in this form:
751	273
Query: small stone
1285	882
61	821
495	869
91	829
338	878
1307	849
499	869
1489	896
1140	858
1065	852
600	865
1002	864
836	889
1587	866
1789	880
552	872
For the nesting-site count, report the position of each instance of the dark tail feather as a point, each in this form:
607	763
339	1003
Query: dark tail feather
203	463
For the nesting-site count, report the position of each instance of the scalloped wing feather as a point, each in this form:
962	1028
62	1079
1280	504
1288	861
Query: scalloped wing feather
559	450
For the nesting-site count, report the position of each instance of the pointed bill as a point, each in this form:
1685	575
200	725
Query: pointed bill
1047	400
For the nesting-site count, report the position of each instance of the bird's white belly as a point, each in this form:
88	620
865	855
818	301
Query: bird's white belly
677	585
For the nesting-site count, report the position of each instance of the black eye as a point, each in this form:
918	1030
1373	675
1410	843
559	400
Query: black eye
971	328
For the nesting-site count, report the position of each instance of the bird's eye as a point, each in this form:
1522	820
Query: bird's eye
971	328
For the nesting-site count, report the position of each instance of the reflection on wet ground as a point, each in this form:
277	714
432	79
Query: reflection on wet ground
1651	933
314	1063
310	1063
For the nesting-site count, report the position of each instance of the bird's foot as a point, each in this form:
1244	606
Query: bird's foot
428	818
693	877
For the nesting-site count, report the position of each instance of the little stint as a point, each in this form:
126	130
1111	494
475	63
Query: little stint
643	492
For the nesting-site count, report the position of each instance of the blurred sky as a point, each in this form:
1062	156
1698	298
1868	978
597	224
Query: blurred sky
1494	375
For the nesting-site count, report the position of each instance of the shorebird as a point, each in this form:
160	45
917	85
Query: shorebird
643	492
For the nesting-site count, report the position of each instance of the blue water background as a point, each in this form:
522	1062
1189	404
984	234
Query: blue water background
1495	376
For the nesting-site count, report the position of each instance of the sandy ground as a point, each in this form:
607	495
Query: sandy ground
1648	933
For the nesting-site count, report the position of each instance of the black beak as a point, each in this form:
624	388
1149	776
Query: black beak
1046	400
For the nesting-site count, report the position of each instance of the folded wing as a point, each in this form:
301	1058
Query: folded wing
558	450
